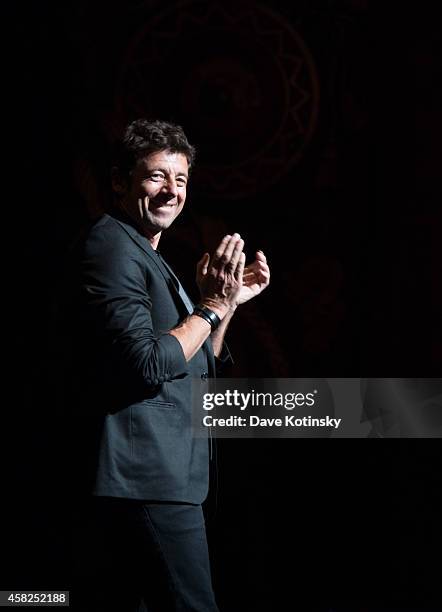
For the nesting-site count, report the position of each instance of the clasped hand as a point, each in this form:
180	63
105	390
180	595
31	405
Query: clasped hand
224	280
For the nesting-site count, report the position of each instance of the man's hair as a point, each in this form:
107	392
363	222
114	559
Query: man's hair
142	137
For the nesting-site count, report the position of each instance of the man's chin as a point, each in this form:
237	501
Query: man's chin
156	226
160	219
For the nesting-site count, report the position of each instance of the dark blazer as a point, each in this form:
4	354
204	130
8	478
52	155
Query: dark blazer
133	417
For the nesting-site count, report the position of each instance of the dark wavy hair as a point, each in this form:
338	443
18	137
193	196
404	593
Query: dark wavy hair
142	137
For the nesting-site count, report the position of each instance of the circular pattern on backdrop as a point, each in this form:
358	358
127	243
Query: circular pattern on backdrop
240	79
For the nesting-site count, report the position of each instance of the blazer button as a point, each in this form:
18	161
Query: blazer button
205	375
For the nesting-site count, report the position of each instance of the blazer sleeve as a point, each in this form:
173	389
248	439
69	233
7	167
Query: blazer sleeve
118	306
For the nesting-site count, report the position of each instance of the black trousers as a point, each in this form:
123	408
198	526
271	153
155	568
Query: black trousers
137	556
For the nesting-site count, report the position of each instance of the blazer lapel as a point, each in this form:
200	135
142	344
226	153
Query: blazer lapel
163	268
184	297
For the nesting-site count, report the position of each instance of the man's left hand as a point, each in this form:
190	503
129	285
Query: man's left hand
255	279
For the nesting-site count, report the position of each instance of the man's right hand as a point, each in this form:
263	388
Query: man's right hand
220	277
220	280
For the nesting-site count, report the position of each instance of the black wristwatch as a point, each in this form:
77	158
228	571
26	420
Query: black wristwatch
208	315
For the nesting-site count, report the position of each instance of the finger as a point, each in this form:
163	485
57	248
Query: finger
206	262
236	255
260	268
263	268
240	266
256	268
259	276
229	250
217	256
259	262
202	265
264	278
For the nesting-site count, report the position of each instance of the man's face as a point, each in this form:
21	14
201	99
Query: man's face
157	191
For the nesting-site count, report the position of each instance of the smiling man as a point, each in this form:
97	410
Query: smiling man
154	195
143	341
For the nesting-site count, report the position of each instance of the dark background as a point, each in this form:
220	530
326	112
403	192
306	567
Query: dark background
348	214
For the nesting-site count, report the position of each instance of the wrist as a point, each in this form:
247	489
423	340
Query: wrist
230	311
209	315
221	310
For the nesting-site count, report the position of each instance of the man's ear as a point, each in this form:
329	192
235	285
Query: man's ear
119	184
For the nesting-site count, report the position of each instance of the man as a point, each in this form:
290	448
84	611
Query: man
143	342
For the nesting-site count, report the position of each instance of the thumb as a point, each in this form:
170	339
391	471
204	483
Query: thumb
203	264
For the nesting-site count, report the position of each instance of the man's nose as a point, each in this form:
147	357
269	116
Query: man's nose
171	187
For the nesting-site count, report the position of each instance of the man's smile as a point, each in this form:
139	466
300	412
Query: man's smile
163	206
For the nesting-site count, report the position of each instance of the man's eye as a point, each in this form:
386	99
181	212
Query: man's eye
157	177
181	182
